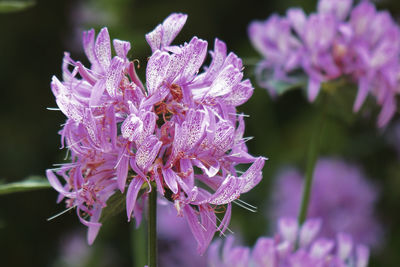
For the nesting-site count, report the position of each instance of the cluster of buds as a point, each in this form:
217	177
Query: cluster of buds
360	43
179	133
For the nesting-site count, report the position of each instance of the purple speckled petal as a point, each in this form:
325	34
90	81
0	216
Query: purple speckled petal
88	45
197	52
191	131
102	49
156	70
253	175
228	191
225	81
64	102
154	37
147	152
121	48
132	127
114	76
218	58
239	94
172	25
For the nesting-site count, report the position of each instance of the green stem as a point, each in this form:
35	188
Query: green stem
138	238
311	160
152	229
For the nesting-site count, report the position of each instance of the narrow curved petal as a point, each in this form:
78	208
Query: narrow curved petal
102	49
131	195
239	94
122	170
88	45
253	175
170	179
264	253
147	152
172	25
313	89
121	48
156	70
309	231
114	76
225	81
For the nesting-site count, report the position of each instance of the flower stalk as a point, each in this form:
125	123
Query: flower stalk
138	238
311	161
152	229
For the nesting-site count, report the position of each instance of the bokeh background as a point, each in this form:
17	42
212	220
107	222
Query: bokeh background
32	43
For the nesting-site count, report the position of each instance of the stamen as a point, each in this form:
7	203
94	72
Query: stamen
247	204
244	207
59	214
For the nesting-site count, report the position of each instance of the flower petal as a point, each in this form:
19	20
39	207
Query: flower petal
172	25
225	81
253	175
121	48
131	195
102	49
156	70
147	152
170	179
114	76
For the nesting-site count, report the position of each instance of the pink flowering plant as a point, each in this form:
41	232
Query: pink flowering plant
359	44
178	133
176	138
293	246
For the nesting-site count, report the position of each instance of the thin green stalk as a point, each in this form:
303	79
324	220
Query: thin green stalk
138	238
311	160
152	229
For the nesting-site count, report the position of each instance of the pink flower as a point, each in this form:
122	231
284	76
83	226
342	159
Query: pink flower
178	129
359	43
341	197
292	246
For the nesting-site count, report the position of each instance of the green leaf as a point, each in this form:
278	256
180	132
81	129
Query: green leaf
282	87
115	205
15	6
295	80
29	184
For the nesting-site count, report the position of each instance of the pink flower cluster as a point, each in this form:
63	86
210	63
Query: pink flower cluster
360	43
178	132
292	246
341	196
